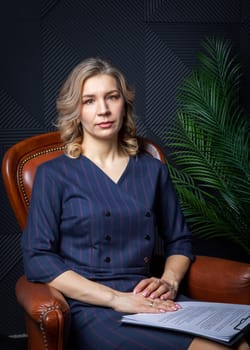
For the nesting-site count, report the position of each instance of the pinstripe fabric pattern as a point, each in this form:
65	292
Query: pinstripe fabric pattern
106	233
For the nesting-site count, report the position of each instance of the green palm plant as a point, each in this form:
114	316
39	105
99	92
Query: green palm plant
210	148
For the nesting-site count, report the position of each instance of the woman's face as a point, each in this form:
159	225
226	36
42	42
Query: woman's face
102	109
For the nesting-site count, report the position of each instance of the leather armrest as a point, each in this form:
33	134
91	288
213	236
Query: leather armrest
37	298
47	313
219	280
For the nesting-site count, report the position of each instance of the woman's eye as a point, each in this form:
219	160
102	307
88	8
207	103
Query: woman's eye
114	97
88	102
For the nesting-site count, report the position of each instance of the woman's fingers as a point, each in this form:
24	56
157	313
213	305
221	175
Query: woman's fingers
158	305
161	289
171	294
156	288
153	289
148	286
142	285
137	303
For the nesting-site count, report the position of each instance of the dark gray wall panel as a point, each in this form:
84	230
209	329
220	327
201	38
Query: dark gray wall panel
114	31
182	11
161	82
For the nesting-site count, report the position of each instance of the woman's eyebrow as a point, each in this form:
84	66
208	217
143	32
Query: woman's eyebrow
111	91
106	93
88	95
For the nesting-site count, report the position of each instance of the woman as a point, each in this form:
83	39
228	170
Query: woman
93	215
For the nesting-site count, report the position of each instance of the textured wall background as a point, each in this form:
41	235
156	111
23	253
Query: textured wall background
154	42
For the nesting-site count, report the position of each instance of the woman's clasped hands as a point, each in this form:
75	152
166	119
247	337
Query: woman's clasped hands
151	295
159	294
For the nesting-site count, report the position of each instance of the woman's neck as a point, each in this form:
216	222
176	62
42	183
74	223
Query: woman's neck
108	157
102	151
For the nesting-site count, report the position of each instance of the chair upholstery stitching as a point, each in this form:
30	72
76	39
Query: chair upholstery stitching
41	317
24	161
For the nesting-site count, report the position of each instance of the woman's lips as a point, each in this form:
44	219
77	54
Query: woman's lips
105	125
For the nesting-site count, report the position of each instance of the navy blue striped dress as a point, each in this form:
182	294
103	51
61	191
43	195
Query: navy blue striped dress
81	220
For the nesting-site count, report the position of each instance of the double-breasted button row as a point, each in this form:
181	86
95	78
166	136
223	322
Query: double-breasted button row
107	237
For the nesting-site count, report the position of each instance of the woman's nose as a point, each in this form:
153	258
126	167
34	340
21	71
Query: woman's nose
102	107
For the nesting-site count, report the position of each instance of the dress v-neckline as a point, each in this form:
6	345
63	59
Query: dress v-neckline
116	182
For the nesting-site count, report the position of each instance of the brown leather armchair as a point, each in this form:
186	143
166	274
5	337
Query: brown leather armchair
47	312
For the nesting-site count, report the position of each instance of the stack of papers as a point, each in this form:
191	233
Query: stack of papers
224	323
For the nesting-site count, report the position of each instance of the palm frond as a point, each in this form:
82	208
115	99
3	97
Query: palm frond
210	148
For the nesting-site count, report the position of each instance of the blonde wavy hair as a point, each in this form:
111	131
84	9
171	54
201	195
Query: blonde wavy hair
69	107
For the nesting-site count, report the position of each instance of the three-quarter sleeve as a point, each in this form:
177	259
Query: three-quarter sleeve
171	222
41	237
